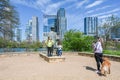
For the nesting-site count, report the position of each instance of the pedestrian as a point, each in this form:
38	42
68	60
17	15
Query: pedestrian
52	34
49	43
98	53
59	49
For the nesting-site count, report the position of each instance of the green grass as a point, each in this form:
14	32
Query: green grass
112	52
108	52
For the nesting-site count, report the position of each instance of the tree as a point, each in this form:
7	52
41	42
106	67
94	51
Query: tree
116	30
74	40
110	24
8	19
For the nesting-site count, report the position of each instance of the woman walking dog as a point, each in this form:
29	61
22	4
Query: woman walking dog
98	54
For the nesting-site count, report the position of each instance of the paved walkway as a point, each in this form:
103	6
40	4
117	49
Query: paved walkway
32	67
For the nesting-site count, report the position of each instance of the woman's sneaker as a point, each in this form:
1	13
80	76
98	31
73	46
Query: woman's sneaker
97	71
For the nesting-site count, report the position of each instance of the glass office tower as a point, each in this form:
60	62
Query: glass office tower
61	23
90	26
32	30
28	30
35	29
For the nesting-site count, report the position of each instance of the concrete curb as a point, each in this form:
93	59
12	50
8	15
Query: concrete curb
111	57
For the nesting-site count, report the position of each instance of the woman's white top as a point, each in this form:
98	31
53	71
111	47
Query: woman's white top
98	47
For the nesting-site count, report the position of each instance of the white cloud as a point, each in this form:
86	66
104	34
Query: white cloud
107	12
38	4
97	2
101	8
46	6
90	11
80	4
104	16
52	8
41	3
104	7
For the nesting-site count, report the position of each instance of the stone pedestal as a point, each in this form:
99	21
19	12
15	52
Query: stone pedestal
53	58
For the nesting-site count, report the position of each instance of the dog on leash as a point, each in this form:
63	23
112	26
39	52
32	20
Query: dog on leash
105	69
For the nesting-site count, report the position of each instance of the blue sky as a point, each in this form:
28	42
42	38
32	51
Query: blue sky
76	10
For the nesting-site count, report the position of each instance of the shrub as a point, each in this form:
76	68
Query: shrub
75	40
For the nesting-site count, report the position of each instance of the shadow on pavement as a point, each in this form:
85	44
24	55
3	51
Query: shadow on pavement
92	69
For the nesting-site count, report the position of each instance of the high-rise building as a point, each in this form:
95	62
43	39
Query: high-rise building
32	30
90	26
28	31
61	27
19	35
35	29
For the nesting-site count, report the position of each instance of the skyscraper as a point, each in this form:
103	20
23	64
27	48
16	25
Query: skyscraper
32	30
35	29
28	31
61	27
90	26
